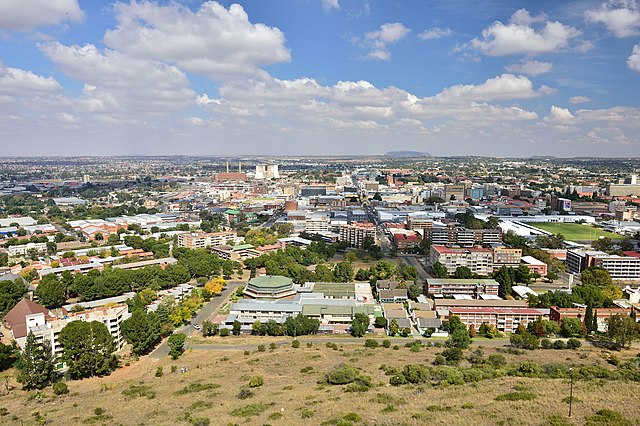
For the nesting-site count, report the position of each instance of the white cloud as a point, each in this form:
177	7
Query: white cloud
622	18
378	40
18	82
520	37
530	67
26	15
67	118
579	100
435	32
560	114
213	40
502	87
119	84
330	4
633	61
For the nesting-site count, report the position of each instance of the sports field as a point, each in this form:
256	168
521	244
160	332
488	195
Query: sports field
577	231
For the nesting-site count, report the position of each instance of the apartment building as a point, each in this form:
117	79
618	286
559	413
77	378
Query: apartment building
23	249
556	314
196	240
461	236
623	268
111	316
355	233
478	260
505	320
504	256
472	287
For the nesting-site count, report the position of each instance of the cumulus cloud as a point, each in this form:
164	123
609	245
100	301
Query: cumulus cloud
530	67
560	114
633	61
18	82
435	32
579	100
520	37
26	15
330	4
622	18
502	87
378	40
213	40
116	83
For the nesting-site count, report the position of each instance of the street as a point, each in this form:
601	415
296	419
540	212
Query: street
412	260
207	310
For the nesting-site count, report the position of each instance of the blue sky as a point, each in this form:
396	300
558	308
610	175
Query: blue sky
318	77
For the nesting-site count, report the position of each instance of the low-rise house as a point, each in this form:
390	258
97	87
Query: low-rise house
602	314
397	295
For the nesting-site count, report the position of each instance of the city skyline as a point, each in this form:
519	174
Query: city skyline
320	78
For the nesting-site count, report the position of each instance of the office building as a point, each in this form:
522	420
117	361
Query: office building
204	240
355	233
478	260
621	268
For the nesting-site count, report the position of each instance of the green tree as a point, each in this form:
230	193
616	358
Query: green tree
459	338
176	344
359	325
622	329
505	277
523	274
414	291
439	270
87	349
237	328
209	328
343	272
142	331
589	320
11	291
51	292
462	272
570	327
594	275
603	244
35	365
394	328
8	355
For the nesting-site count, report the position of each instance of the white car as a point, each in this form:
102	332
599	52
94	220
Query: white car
196	326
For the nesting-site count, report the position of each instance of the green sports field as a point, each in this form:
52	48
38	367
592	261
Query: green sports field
576	231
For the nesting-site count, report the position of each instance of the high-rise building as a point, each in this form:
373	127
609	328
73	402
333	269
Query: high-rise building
355	233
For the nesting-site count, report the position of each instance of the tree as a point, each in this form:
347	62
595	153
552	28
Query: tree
343	272
380	322
439	270
359	325
523	274
87	348
459	338
142	331
377	197
176	344
394	328
570	327
8	355
414	291
622	329
594	275
209	328
237	328
51	292
504	277
602	244
462	272
215	285
35	365
98	236
11	291
589	320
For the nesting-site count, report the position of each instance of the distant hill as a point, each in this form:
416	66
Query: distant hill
407	154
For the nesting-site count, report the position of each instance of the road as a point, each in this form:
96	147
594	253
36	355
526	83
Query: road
412	260
207	310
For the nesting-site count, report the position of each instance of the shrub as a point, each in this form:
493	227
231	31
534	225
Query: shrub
342	375
396	347
196	387
256	381
272	346
250	410
497	361
440	360
448	375
516	396
60	388
528	369
472	375
397	380
307	414
386	343
262	348
416	374
295	344
351	417
275	416
224	332
573	344
452	355
559	344
140	391
555	370
606	417
159	371
244	393
371	343
546	344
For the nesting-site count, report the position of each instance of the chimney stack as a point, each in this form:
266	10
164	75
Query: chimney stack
227	167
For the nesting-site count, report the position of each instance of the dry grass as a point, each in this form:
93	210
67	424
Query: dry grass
292	397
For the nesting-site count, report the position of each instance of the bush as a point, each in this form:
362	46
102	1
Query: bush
295	344
397	380
371	343
386	343
546	344
448	375
342	375
272	346
244	393
452	355
224	332
262	348
516	396
60	388
606	417
256	381
559	344
573	344
440	360
497	361
416	374
159	371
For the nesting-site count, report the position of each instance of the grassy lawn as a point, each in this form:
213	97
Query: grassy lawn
577	232
216	391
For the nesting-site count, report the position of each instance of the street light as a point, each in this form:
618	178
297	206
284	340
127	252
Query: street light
571	391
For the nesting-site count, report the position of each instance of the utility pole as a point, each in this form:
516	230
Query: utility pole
571	392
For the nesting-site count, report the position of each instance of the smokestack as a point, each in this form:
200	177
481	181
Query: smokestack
239	167
227	167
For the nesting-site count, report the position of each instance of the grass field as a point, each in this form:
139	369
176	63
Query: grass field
576	231
292	393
